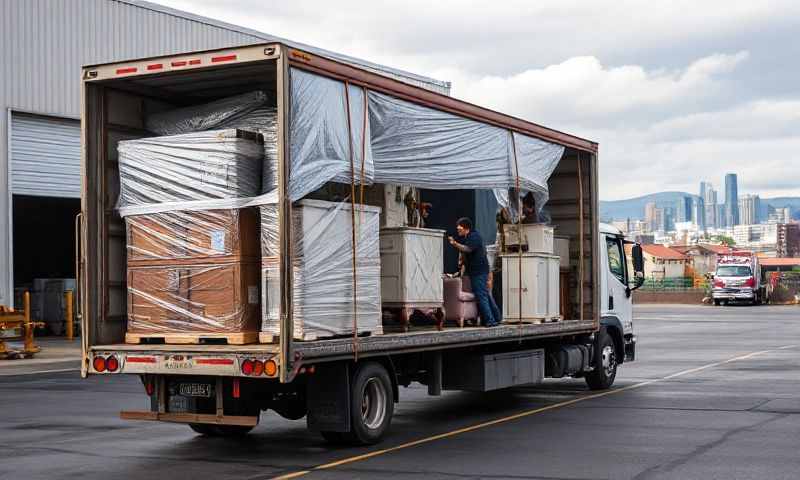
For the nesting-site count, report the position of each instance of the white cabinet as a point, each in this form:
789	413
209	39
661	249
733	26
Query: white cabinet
411	267
540	287
536	237
323	272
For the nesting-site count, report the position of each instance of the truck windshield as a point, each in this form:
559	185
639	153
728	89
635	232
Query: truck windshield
733	271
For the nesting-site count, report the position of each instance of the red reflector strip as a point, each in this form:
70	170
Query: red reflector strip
140	360
236	392
214	361
155	66
121	71
182	63
194	62
226	58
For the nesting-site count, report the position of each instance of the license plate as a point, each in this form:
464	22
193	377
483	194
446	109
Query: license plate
195	390
178	363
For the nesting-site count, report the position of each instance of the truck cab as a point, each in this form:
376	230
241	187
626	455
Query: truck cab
618	279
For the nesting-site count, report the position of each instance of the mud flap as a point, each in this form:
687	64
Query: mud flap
329	398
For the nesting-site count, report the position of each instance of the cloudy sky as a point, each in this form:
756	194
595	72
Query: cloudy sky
675	92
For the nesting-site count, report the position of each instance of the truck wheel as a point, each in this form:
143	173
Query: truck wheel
717	302
220	430
605	363
371	404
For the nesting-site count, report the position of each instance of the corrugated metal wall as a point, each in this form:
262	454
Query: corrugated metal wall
44	43
45	156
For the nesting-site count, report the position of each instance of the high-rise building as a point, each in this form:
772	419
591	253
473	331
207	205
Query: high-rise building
780	215
788	244
710	199
650	216
704	187
683	209
699	213
721	217
731	200
749	205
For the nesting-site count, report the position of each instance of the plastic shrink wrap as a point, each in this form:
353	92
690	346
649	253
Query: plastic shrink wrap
249	111
323	269
193	235
192	299
218	164
191	272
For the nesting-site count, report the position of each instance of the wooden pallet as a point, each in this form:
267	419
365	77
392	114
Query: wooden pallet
239	338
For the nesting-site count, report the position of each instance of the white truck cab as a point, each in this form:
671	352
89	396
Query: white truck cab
618	280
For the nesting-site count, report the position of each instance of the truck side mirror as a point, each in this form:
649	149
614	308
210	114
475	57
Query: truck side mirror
638	266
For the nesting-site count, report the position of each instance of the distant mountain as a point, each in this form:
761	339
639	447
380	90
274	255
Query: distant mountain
633	208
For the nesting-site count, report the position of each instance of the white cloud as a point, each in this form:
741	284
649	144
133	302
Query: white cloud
581	90
675	91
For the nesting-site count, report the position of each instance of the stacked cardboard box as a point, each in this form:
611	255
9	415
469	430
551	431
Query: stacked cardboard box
191	273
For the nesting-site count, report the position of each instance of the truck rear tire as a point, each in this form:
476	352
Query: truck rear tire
717	302
605	363
371	404
220	430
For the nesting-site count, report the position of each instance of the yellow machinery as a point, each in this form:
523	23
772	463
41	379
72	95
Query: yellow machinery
15	325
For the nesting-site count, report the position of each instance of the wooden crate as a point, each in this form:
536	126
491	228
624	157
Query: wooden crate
193	299
198	236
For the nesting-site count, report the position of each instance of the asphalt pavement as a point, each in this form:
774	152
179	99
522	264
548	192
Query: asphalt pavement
714	393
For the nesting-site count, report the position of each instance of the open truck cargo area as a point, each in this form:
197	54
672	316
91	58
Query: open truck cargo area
349	157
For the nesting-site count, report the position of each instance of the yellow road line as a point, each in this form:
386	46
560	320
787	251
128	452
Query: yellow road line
517	416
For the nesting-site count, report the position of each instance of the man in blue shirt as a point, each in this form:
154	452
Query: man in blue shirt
470	244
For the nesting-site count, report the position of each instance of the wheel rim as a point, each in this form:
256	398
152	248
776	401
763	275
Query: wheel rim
609	360
373	403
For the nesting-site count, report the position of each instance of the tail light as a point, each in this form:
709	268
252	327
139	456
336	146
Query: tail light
751	282
112	364
258	367
270	368
247	367
99	364
718	283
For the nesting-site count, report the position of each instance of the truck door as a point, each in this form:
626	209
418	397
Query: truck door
617	301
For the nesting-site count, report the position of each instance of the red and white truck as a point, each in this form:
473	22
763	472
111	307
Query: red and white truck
738	278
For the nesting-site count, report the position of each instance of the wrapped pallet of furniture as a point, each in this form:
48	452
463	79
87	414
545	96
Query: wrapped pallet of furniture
252	111
323	270
194	302
192	271
190	235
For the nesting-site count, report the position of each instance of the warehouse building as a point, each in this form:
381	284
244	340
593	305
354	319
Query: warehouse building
44	44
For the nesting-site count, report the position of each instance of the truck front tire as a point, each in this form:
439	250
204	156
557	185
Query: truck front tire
605	363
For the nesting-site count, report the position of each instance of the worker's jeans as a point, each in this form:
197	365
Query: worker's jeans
489	312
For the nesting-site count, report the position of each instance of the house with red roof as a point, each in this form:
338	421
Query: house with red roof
702	258
663	263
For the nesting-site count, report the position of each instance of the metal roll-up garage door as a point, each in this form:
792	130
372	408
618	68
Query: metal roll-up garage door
45	156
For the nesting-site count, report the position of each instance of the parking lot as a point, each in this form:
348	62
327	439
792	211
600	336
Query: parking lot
714	393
